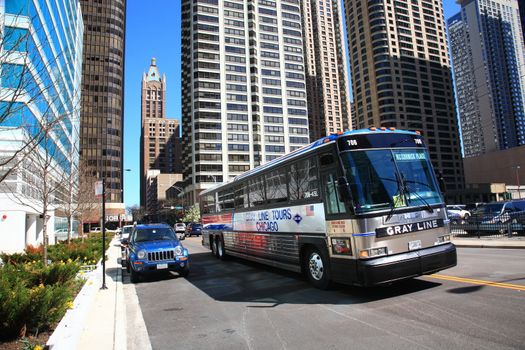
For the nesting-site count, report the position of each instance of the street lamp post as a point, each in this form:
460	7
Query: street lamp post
518	180
103	231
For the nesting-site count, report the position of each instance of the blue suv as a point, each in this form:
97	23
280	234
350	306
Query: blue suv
155	248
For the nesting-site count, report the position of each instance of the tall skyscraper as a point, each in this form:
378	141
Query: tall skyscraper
102	112
243	87
489	65
401	75
521	5
160	140
41	60
326	68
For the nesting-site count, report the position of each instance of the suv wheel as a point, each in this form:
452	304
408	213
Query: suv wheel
135	277
185	271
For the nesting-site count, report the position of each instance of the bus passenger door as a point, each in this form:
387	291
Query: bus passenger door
341	244
334	208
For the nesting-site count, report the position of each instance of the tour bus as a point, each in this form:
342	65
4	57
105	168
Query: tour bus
361	207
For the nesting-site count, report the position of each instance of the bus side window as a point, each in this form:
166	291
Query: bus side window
241	196
332	203
303	180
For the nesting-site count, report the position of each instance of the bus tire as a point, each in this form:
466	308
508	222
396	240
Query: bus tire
213	245
220	251
317	268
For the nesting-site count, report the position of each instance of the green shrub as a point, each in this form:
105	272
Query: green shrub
34	296
15	299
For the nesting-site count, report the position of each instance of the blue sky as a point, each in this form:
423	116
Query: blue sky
153	30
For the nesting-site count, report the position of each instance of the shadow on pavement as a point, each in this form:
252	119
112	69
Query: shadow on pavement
465	290
237	280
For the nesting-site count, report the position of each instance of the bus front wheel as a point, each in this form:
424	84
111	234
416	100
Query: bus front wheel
317	268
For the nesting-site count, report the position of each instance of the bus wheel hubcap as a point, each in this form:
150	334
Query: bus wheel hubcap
316	266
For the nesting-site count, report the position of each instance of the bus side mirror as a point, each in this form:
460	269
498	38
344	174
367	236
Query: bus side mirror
442	185
345	194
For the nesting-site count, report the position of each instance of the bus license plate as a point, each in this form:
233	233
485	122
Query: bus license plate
413	245
162	266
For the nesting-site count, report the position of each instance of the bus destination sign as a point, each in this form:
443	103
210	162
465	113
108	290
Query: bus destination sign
408	228
380	140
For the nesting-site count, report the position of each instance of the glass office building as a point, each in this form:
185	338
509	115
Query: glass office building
40	59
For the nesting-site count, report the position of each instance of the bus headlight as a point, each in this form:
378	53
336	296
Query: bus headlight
373	252
443	239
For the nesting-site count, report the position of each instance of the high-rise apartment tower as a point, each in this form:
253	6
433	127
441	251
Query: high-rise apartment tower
326	68
243	87
489	66
102	132
401	75
160	139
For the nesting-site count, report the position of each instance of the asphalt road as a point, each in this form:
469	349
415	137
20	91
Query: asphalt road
480	304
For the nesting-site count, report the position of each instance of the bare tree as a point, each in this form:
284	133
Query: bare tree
41	186
77	195
137	212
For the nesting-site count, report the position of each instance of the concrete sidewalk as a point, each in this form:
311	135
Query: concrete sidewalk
502	243
103	318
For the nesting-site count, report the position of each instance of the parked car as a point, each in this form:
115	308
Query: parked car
472	207
155	248
95	230
180	229
498	217
460	210
454	217
61	235
193	229
125	233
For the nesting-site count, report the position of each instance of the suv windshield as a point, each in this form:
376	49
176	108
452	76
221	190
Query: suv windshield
385	179
494	208
154	234
127	230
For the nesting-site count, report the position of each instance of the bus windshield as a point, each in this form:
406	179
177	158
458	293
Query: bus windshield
390	178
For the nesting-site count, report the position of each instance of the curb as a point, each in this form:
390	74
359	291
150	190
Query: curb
67	334
488	244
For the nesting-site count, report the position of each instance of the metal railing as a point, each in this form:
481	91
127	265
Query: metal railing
486	226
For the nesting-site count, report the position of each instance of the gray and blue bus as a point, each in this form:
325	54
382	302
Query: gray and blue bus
361	207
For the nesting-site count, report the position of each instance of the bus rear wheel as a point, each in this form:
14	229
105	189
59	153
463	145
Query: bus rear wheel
219	248
213	245
317	268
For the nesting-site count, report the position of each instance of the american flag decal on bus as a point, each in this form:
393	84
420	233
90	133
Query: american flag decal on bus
310	210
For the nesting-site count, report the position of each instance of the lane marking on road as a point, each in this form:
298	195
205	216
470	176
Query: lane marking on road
480	282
